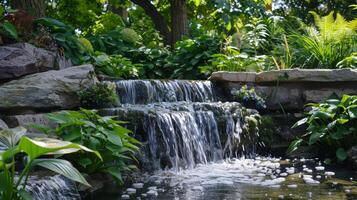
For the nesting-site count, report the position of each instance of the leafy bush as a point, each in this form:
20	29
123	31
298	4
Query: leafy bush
323	47
100	95
236	62
103	134
13	144
65	37
332	126
152	60
348	62
106	22
249	98
116	41
189	54
117	66
7	29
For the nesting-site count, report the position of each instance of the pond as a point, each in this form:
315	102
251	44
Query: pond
259	178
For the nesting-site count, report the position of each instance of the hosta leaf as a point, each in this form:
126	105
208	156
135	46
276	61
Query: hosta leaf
10	30
35	148
62	167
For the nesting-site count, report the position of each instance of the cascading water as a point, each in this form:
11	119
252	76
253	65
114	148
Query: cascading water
52	188
182	122
198	148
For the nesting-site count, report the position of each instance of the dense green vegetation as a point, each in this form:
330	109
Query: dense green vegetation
331	126
14	144
188	39
102	134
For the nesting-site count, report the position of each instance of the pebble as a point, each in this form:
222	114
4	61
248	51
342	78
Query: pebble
157	182
347	191
152	188
144	195
152	193
131	190
138	185
320	168
318	177
284	174
125	196
329	173
281	196
292	186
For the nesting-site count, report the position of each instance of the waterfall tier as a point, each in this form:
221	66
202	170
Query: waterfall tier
184	134
150	91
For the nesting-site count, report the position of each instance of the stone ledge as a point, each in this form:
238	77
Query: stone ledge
289	75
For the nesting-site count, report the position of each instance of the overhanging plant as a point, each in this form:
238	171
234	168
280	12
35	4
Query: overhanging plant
332	126
103	134
13	143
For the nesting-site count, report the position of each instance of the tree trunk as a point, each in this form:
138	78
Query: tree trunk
157	18
179	22
35	8
121	11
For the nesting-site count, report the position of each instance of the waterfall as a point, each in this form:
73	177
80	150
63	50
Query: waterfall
181	122
149	91
52	188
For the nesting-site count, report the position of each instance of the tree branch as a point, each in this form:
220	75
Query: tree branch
159	20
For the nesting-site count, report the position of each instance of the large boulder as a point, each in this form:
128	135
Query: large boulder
51	90
21	59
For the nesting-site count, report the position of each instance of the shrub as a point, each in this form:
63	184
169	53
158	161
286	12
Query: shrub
332	126
190	54
249	98
66	38
100	95
117	66
331	41
103	134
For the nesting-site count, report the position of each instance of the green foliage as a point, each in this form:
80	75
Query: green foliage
324	47
7	29
249	98
348	62
115	41
117	66
331	125
189	54
13	144
81	14
152	60
78	50
106	22
100	95
103	134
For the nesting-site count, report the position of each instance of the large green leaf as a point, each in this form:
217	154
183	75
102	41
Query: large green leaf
10	137
38	147
62	167
314	137
10	29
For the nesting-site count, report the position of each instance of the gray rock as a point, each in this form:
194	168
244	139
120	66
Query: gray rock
323	94
47	90
308	75
21	59
29	119
234	76
289	75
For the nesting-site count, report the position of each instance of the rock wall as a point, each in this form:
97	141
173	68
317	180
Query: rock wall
290	90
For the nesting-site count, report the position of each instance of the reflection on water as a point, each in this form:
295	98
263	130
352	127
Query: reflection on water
260	178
